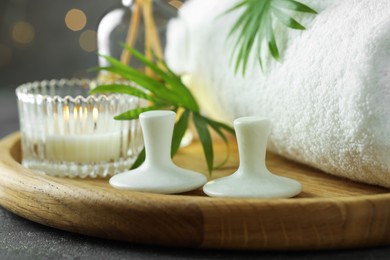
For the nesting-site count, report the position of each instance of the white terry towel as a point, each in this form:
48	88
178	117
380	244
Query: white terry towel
329	99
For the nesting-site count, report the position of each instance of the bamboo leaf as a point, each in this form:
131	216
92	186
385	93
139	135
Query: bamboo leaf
294	6
179	86
225	127
243	19
287	20
179	131
134	113
235	7
205	139
171	80
124	89
273	47
217	129
140	78
168	92
239	60
260	40
125	69
252	30
140	159
256	24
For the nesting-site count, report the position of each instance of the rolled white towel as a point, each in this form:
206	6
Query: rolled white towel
329	99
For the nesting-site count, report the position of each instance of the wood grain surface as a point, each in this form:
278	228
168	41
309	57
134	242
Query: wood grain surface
330	212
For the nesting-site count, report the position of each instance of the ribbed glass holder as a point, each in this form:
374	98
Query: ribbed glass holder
66	132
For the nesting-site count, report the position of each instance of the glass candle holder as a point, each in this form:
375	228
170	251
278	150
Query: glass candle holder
66	132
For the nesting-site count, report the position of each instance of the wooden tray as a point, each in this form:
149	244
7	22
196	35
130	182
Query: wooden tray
330	213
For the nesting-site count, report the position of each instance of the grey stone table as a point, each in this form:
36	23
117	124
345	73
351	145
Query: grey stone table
23	239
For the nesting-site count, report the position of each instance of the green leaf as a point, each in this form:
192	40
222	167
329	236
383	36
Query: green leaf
140	79
256	24
287	20
124	89
252	30
184	90
179	131
252	25
243	19
154	86
148	63
273	47
140	159
221	125
239	60
215	126
294	6
205	139
172	81
167	92
235	7
134	113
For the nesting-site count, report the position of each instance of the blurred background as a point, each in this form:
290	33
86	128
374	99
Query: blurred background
45	39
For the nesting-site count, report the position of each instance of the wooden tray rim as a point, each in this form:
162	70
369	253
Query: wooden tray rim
178	201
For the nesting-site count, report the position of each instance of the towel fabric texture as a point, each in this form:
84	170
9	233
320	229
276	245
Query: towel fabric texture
329	98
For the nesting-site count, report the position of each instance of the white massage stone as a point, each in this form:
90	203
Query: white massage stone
252	179
158	174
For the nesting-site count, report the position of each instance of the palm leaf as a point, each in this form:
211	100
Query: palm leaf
125	89
235	7
178	85
272	46
153	67
140	159
179	131
171	80
217	128
287	20
153	85
134	113
293	6
205	138
167	92
256	25
220	125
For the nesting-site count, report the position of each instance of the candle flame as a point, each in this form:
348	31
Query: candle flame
66	113
75	113
80	113
85	113
95	114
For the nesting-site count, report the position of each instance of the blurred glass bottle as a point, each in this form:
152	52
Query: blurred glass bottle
137	23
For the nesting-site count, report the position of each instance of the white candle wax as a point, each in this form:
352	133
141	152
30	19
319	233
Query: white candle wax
99	147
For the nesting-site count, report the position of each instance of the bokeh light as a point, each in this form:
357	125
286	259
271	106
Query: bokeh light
22	32
88	40
75	19
5	55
